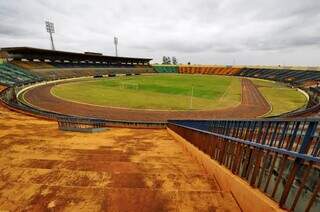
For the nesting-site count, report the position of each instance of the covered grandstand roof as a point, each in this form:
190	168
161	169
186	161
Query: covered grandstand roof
45	54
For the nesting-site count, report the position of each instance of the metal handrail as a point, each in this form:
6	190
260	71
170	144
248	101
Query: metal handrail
281	171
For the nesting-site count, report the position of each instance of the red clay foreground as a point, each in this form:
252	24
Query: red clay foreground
253	104
42	169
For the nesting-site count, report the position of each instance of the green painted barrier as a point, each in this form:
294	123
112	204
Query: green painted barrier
166	68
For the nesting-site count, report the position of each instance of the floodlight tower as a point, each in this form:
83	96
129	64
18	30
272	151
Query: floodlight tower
50	30
116	45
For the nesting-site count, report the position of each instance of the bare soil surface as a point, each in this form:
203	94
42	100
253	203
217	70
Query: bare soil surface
253	104
44	169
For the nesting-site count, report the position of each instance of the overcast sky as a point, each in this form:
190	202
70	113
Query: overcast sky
283	32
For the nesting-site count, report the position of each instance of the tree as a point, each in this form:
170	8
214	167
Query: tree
174	61
166	60
169	60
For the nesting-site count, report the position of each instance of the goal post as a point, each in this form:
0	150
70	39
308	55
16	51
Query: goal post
131	86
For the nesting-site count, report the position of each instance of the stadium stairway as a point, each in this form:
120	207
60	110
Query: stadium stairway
120	169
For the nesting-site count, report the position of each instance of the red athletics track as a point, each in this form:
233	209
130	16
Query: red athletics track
253	104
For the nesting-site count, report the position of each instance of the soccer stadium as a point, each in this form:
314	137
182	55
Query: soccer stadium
252	123
87	131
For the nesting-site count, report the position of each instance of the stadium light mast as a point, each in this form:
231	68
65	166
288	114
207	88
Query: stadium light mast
50	30
116	45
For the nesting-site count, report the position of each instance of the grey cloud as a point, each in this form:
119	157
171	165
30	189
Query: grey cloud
209	31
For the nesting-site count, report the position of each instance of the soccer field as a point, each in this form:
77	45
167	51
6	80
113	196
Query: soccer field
159	92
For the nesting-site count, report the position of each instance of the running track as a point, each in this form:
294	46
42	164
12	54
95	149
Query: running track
253	104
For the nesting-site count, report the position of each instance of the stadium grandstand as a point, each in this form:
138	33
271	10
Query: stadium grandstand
293	75
232	163
48	64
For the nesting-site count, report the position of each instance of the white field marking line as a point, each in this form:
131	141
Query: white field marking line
227	91
305	94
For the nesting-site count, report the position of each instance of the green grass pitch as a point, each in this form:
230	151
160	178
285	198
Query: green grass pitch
159	92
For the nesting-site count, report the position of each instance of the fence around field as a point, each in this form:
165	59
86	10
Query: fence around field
280	157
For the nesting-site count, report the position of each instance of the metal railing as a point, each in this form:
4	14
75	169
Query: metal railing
280	157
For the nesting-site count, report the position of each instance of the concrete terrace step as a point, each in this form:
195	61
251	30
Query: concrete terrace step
124	199
106	166
64	177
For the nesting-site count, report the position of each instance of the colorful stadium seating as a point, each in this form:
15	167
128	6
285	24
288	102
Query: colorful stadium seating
56	70
282	75
57	73
199	69
49	71
11	74
279	74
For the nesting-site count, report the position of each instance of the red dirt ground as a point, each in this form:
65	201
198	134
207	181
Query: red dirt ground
253	104
44	169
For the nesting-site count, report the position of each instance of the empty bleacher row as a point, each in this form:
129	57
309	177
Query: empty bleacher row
11	74
47	65
55	70
289	76
31	64
60	73
216	70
